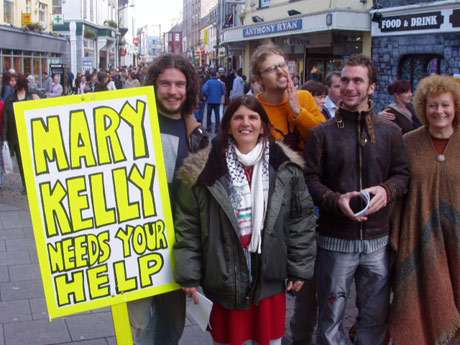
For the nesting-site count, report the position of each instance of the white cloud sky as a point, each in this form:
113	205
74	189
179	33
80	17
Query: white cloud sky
163	12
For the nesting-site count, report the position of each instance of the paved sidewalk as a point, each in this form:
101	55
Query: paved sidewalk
23	315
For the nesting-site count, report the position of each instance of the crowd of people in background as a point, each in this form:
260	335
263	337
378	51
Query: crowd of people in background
245	203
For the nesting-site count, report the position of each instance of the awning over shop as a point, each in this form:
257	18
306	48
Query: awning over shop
14	38
318	22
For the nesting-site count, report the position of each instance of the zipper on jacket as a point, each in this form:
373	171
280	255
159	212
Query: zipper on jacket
360	168
235	272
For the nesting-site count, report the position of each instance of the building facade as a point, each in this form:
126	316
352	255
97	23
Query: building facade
150	42
91	27
208	45
26	45
317	36
413	39
173	40
191	28
129	40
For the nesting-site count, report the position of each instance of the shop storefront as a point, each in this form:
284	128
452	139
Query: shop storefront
92	46
314	44
30	52
411	42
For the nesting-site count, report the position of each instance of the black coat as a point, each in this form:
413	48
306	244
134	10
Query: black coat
341	157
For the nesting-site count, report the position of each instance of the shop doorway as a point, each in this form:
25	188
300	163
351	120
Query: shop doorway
320	62
414	67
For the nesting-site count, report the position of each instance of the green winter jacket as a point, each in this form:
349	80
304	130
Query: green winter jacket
208	251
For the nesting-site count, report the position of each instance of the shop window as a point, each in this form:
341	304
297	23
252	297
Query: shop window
264	3
8	11
44	65
17	64
89	47
27	66
6	63
36	67
319	67
414	67
57	7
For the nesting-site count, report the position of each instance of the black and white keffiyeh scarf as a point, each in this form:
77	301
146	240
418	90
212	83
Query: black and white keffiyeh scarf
249	202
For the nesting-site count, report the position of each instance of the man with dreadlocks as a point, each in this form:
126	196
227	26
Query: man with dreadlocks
355	162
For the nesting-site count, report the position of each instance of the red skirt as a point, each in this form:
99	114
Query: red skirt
260	323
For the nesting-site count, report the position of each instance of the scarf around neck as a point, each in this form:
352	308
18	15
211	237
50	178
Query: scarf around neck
249	202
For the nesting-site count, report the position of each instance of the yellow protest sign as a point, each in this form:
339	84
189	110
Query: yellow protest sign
98	197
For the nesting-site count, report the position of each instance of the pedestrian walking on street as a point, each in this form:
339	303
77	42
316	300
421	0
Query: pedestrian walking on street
333	94
426	225
8	85
83	86
102	80
131	81
238	85
213	89
292	113
244	227
46	82
160	320
353	160
56	89
21	93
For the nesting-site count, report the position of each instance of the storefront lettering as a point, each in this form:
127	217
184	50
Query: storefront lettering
425	21
273	28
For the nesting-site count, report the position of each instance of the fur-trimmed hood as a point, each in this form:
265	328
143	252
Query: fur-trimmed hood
208	164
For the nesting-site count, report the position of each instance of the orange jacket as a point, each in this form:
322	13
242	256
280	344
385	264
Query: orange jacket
284	120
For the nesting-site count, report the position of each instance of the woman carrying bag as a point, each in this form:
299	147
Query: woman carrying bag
245	227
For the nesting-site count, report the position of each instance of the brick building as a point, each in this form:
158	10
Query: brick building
412	39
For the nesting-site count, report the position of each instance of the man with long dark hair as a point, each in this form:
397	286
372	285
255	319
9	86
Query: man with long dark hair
160	320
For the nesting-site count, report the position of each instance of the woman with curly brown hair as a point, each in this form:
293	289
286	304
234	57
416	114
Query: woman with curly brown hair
426	229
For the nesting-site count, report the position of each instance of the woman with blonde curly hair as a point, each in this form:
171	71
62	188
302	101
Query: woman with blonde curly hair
426	228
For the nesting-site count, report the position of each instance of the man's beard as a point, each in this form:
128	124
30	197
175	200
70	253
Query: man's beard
167	111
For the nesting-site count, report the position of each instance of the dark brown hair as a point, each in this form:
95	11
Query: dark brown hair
315	88
249	102
21	82
363	60
399	86
185	66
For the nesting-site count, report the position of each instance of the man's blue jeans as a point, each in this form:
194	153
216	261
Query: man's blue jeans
158	320
335	273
